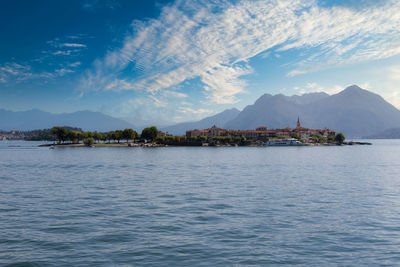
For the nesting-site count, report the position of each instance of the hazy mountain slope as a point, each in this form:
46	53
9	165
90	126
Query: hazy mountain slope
272	111
219	119
354	111
308	98
37	119
393	133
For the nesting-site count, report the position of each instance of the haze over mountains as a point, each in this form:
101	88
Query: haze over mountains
354	111
37	119
218	119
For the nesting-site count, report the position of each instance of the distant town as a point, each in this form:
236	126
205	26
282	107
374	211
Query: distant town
214	136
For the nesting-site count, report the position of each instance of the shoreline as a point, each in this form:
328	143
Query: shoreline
350	143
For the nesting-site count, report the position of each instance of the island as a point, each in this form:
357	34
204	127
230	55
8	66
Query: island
212	137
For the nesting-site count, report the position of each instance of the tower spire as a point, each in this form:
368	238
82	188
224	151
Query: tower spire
298	122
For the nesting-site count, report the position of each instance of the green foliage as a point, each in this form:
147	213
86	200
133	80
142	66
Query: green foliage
72	136
180	139
110	136
340	138
60	133
316	138
80	136
203	138
222	139
88	141
129	134
39	135
98	136
240	139
161	139
331	137
118	135
149	133
88	135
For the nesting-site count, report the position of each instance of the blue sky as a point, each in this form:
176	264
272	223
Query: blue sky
183	60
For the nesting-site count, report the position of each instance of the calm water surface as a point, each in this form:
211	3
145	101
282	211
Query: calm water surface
305	206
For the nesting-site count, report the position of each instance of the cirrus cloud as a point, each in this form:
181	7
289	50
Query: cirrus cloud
214	41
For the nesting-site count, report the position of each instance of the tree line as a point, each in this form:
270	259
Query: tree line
63	134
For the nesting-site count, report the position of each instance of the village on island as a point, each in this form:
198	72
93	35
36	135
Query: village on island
273	137
214	136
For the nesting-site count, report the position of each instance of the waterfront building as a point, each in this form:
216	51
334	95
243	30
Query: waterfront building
262	133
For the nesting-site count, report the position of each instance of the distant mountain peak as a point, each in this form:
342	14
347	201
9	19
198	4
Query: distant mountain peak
354	89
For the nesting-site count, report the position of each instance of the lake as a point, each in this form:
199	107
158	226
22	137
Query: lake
200	206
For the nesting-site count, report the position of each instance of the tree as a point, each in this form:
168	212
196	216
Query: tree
88	141
60	133
80	136
97	136
72	136
109	136
149	133
161	139
88	135
203	138
340	138
129	134
118	135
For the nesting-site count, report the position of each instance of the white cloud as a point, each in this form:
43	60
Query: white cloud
75	64
16	73
313	87
214	41
392	85
158	102
73	45
63	71
194	111
175	94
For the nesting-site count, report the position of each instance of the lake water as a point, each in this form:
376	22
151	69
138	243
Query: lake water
173	206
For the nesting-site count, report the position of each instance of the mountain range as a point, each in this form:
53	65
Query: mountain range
354	111
38	119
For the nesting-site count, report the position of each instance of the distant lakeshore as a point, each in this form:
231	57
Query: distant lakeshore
210	137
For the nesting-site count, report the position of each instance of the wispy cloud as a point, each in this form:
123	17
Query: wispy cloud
313	87
175	94
158	102
195	111
12	72
73	45
213	41
75	64
64	46
92	5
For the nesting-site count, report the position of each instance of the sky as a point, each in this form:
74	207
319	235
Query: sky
173	61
